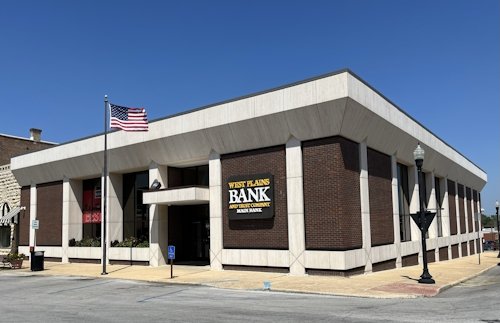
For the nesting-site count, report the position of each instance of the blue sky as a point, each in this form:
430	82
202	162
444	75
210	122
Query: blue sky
437	60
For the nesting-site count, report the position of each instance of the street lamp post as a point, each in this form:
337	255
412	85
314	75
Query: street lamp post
498	231
423	218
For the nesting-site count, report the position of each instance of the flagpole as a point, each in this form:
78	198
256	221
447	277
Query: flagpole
104	194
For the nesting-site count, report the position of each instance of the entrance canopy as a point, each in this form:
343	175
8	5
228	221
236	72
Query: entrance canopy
7	218
191	195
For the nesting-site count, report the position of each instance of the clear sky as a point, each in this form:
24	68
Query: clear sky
437	60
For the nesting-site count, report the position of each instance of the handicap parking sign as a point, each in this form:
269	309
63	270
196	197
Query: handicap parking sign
171	252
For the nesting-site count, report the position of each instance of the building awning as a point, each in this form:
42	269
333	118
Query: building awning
178	196
7	218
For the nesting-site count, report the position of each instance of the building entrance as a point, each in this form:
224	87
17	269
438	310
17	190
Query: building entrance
189	232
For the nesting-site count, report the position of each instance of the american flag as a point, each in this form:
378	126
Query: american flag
128	119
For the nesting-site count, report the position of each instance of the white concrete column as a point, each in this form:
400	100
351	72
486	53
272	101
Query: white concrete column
457	211
158	220
466	212
71	214
115	210
414	202
480	234
431	203
445	215
475	214
295	206
365	205
33	207
215	183
395	210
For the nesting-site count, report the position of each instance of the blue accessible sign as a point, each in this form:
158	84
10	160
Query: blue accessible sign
171	252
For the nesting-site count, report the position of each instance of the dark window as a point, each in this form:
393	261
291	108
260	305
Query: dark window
189	176
135	214
404	203
439	204
5	236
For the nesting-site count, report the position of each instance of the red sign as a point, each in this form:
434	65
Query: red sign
91	217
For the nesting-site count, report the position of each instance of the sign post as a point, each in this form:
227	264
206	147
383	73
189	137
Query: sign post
171	257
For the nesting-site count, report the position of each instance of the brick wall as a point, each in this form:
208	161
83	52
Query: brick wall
49	213
380	190
410	260
453	208
257	233
461	208
443	253
464	249
454	251
24	217
11	147
332	207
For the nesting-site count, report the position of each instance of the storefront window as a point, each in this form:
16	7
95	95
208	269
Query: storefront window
438	207
91	213
135	213
404	203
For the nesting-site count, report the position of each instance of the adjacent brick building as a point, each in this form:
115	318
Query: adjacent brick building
10	194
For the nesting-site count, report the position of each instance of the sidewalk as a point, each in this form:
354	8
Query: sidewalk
396	283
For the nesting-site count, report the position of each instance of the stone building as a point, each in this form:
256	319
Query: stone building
315	177
11	146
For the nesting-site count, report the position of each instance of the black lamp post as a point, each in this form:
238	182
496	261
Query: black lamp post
423	218
498	231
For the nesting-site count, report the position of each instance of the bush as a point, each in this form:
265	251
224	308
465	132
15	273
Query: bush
15	256
132	242
87	242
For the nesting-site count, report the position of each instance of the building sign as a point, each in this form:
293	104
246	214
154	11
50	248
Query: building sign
250	197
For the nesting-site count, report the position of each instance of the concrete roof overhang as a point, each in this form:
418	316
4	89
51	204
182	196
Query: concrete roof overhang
335	104
179	196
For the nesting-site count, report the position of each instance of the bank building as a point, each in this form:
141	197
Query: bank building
314	177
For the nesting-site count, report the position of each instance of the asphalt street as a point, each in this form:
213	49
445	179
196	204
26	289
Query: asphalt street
30	298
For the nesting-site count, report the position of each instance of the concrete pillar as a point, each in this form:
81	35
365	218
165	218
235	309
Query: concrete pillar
466	235
365	205
71	214
215	184
445	214
158	220
115	210
457	208
431	203
295	206
33	207
479	233
414	202
395	210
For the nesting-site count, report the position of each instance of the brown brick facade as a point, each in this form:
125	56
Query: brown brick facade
452	206
332	210
24	217
454	251
464	249
410	260
49	213
257	233
12	146
443	253
380	191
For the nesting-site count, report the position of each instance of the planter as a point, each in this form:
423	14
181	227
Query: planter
16	264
